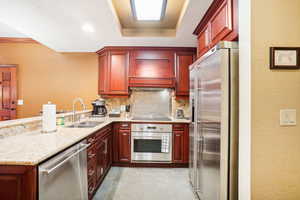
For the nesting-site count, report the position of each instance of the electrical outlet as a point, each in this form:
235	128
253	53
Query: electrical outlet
288	117
123	108
20	102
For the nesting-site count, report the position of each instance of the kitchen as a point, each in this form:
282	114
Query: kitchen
114	106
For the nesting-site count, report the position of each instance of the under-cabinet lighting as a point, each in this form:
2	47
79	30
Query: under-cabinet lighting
149	10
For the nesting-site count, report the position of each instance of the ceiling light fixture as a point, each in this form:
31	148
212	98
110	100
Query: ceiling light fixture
148	10
88	28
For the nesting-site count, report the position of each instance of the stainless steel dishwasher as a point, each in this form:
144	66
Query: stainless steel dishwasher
64	177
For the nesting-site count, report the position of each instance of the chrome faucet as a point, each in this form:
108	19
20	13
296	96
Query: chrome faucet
74	111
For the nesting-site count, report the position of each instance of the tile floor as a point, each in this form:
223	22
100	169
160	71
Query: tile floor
145	184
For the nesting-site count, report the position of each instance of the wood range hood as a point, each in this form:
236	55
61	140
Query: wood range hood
121	68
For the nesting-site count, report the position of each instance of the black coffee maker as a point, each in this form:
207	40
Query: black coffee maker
99	108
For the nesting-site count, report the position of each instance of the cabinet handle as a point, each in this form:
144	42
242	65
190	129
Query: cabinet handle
91	172
91	189
91	155
91	140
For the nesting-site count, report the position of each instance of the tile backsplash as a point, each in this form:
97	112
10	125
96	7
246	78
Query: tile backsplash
115	103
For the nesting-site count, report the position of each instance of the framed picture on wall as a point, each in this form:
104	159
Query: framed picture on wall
284	58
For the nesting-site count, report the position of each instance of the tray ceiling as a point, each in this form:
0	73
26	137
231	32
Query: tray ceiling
87	26
132	27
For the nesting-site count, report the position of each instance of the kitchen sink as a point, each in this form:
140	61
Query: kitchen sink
86	124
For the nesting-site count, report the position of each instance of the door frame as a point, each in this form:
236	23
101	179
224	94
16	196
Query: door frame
13	69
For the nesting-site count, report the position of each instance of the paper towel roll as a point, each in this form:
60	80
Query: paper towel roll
49	118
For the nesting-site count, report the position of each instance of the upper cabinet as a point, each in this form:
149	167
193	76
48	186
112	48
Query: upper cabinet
113	73
219	23
163	67
183	61
152	68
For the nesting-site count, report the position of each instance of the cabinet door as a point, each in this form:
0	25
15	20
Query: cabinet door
109	147
124	146
18	183
183	61
102	73
118	72
204	40
100	152
152	68
221	22
178	146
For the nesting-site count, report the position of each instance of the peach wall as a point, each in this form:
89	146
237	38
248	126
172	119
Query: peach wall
45	75
275	161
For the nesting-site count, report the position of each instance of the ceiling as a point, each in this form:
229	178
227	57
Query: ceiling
7	31
58	24
163	28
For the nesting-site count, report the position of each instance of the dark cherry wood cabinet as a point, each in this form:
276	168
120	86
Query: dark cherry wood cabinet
99	158
102	80
124	146
121	143
204	40
124	67
183	61
180	143
113	73
152	68
219	23
18	182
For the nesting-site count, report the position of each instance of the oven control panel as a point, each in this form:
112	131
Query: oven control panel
165	144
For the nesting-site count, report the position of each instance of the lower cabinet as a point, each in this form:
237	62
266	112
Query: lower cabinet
110	144
18	182
99	158
124	146
180	143
122	143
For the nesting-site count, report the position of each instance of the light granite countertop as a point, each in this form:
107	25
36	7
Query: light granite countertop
34	147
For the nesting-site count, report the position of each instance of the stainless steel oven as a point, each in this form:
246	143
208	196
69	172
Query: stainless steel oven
151	143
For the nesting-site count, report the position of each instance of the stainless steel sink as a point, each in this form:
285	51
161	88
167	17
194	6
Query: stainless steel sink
86	124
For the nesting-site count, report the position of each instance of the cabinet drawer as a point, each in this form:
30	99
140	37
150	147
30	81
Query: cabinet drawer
104	131
125	126
91	153
91	187
178	127
91	169
91	139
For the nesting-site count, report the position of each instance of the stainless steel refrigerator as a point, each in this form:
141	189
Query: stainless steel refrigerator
214	128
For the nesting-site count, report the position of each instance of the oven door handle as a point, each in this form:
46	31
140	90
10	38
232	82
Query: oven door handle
146	138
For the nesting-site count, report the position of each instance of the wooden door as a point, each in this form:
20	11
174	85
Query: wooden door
178	146
183	61
18	182
181	143
102	73
100	152
109	147
203	41
8	92
152	69
118	72
221	22
124	146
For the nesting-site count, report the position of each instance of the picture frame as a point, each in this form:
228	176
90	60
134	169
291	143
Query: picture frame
284	57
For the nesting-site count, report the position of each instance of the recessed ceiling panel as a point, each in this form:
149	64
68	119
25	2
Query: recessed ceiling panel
132	27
